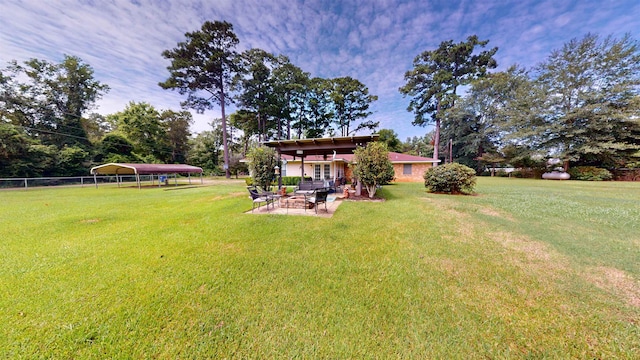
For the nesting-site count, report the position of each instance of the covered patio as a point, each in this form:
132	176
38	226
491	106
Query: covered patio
322	150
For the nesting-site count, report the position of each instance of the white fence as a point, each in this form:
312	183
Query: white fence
25	183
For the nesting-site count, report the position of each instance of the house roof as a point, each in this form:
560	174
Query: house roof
145	169
396	158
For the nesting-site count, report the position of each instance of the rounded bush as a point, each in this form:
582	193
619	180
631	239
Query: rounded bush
589	173
451	178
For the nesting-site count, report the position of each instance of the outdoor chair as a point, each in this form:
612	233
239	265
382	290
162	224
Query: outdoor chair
319	196
309	186
264	191
259	198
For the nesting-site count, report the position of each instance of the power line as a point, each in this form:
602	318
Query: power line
74	136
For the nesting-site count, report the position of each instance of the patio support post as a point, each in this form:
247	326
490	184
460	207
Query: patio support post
280	172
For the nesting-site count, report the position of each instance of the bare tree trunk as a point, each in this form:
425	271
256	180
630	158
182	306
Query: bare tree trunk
436	136
224	133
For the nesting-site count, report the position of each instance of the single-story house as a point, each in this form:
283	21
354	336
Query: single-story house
407	168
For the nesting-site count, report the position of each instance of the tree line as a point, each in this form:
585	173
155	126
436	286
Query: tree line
580	105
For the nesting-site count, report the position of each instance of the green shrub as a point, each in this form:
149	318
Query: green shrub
248	181
451	178
290	180
526	173
372	166
262	164
589	173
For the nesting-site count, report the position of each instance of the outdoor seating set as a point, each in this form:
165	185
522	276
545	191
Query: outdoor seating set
332	186
259	196
305	195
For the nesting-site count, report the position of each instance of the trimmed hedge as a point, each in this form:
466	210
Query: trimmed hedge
589	173
451	178
292	180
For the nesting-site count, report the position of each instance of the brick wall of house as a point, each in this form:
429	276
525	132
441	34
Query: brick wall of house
417	172
348	173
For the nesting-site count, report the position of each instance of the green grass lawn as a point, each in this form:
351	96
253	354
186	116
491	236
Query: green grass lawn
525	269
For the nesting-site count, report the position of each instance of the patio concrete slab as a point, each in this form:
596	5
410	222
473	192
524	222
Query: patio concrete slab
332	205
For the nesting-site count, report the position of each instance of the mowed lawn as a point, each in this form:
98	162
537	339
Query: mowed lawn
524	269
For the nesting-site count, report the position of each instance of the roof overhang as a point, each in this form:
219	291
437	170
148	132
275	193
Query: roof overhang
416	162
321	146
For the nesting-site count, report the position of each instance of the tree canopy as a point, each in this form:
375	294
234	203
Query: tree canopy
202	67
351	100
436	76
49	100
581	104
591	110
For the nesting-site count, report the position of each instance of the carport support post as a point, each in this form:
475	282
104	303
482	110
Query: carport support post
95	179
138	180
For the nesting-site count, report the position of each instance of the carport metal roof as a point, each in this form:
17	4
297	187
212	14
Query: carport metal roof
144	169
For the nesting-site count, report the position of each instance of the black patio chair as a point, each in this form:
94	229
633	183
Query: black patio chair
259	198
319	196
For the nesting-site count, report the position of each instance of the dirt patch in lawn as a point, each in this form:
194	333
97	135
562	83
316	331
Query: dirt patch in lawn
534	255
541	258
616	281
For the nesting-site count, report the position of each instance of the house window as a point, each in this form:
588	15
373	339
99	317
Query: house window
406	169
283	171
316	172
327	171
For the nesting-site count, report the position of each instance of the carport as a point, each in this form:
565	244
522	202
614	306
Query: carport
118	169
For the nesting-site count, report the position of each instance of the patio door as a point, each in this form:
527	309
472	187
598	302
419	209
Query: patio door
316	172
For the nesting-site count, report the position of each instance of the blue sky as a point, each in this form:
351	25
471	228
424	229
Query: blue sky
374	41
